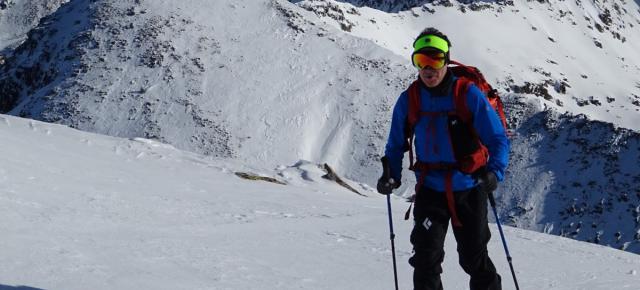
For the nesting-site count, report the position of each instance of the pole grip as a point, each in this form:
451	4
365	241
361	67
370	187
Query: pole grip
386	168
492	200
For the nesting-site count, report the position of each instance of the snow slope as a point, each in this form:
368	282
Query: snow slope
267	83
85	211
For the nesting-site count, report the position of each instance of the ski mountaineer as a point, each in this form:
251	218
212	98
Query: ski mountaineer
443	192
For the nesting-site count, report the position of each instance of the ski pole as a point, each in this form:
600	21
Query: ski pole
504	241
386	173
393	246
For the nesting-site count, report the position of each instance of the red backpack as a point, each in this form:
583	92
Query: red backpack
471	155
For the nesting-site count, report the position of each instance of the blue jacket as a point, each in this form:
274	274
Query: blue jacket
428	149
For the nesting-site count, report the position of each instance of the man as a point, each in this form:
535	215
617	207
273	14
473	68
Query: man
445	191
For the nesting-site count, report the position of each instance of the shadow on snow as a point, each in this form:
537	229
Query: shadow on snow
6	287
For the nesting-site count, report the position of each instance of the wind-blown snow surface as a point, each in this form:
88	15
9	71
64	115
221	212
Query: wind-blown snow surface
84	211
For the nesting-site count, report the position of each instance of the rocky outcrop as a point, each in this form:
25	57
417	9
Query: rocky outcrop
17	17
572	176
70	65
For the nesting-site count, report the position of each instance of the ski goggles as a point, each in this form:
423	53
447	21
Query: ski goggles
435	60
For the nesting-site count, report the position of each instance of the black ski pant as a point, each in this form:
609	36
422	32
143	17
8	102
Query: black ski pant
431	216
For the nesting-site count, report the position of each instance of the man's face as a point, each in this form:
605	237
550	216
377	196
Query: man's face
432	77
432	67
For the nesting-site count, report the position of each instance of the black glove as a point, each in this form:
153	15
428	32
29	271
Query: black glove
386	184
487	182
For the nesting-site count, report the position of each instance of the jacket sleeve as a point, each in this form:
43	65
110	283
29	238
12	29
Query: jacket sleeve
396	143
490	130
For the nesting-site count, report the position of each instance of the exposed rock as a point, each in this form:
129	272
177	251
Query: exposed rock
539	90
327	9
295	20
597	43
4	4
253	176
578	152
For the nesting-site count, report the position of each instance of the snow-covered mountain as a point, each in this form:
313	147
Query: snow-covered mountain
86	211
170	72
271	82
576	56
587	170
17	17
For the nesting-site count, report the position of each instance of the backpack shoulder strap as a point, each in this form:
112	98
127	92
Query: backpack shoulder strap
413	113
414	104
460	90
497	104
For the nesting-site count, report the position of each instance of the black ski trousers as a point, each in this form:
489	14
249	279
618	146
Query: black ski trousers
431	216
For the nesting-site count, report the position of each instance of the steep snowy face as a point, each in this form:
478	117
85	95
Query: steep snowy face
17	17
384	5
262	82
100	65
572	177
394	6
576	56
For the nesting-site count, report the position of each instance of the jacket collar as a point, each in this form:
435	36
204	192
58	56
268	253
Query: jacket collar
445	87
